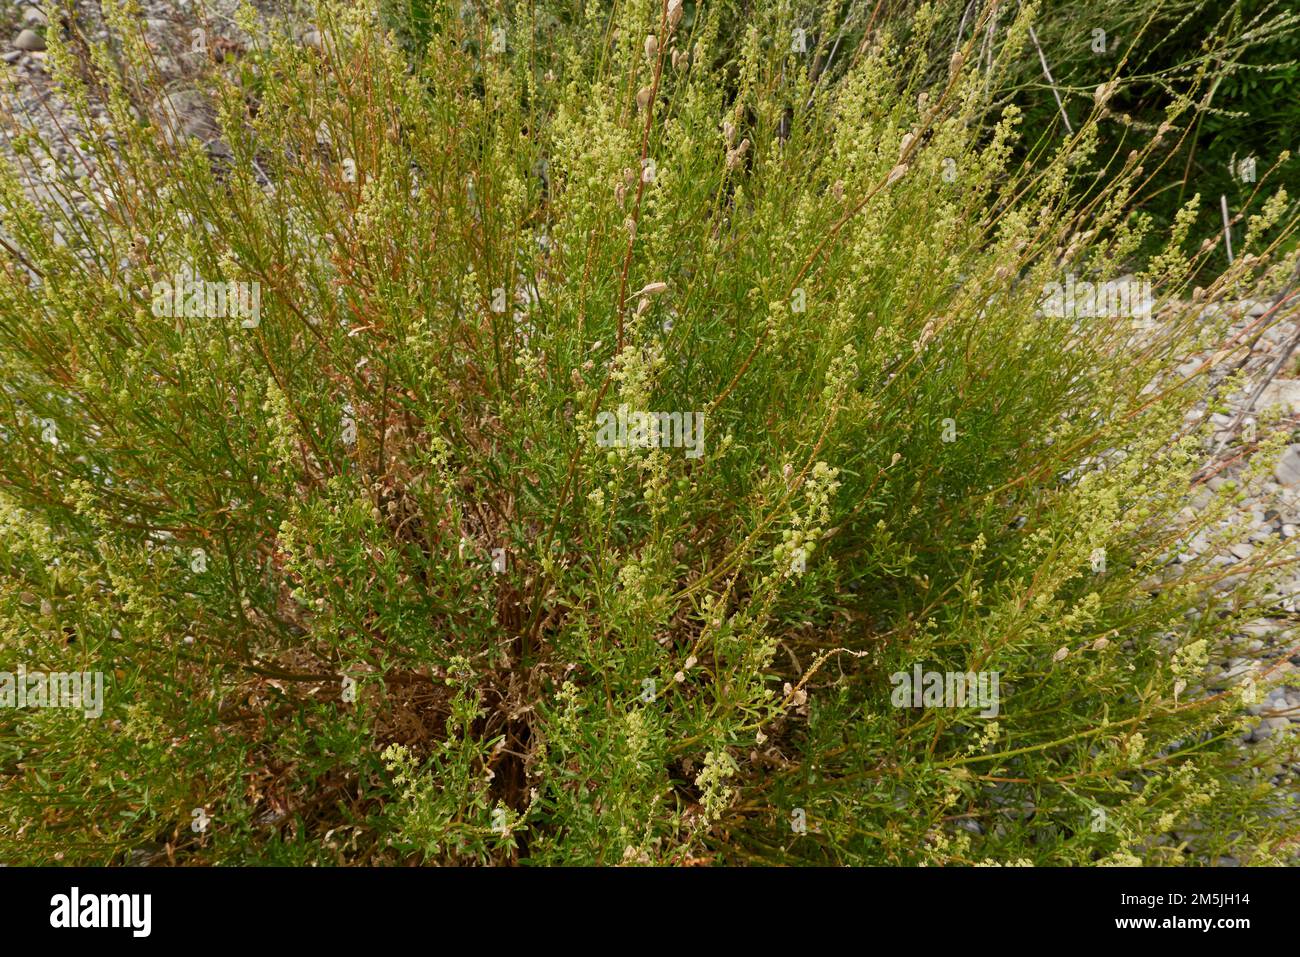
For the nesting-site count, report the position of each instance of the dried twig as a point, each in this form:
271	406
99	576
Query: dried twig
1278	365
1047	72
1227	227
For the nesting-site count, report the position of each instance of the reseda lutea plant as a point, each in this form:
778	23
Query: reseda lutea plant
449	610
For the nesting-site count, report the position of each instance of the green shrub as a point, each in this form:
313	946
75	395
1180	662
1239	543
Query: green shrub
1146	51
367	588
1253	50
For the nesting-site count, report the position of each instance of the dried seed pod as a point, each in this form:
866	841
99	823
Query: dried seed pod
734	156
674	14
652	48
926	335
643	98
896	174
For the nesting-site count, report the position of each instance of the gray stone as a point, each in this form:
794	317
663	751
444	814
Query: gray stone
1283	392
29	40
167	68
1287	469
189	114
1230	584
34	17
1238	669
